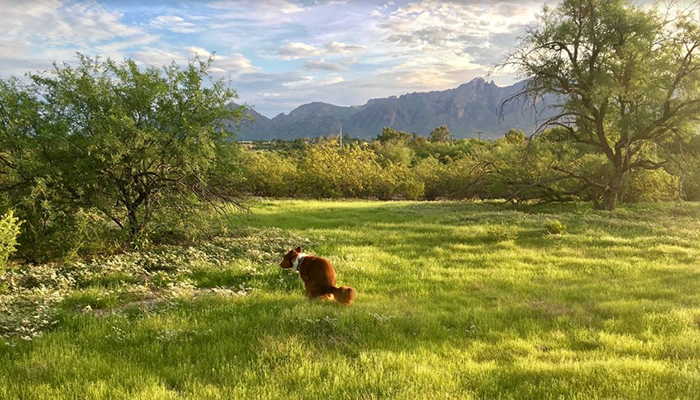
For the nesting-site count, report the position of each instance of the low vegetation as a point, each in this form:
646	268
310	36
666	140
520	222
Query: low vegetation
455	300
411	167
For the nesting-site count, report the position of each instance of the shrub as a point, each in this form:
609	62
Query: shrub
270	174
555	227
458	179
430	171
397	181
649	186
330	171
501	233
396	153
9	231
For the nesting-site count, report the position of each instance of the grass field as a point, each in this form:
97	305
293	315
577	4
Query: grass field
455	301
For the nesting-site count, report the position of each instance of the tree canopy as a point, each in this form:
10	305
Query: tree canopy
115	137
624	81
440	134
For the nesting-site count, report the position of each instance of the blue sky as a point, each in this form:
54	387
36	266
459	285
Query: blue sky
279	54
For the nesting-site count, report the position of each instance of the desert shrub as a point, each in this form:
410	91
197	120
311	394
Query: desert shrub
396	181
444	150
396	153
554	227
453	179
501	232
465	178
529	171
54	228
408	186
649	186
9	231
270	174
431	172
330	171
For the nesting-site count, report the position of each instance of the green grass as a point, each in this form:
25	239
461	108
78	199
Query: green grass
455	301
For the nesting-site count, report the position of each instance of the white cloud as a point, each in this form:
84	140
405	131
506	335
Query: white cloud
333	80
321	65
177	24
37	33
232	65
55	22
342	48
255	12
296	50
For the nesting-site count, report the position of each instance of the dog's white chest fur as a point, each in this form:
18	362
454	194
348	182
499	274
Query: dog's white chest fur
297	261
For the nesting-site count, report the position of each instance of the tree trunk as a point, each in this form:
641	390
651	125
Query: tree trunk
134	226
611	192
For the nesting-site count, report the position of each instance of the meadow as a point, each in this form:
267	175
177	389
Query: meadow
456	300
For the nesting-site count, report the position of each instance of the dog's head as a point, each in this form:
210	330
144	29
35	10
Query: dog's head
288	260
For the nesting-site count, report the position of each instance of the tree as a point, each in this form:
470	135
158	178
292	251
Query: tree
117	138
515	137
392	135
624	82
440	135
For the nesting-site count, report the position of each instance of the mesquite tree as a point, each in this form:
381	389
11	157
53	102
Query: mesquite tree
624	82
117	138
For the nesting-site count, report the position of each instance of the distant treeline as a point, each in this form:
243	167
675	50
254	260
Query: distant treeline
400	165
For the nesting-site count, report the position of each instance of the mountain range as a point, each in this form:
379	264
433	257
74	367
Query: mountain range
470	108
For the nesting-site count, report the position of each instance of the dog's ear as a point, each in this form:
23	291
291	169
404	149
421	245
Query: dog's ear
298	249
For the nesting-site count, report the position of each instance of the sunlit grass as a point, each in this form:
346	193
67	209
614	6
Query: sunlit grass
455	300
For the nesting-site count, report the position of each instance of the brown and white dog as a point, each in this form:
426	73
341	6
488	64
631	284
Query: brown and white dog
318	276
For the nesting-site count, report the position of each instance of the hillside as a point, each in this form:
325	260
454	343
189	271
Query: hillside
467	109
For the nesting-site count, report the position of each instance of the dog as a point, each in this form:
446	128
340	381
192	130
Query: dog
318	276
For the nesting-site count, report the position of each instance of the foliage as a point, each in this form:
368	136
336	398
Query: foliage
271	174
396	153
625	83
515	137
330	171
440	135
554	227
649	186
392	135
397	181
458	179
9	231
501	233
115	138
509	169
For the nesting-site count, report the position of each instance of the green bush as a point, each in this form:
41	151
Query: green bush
330	171
555	227
9	231
396	153
270	174
55	229
649	186
452	179
396	181
501	233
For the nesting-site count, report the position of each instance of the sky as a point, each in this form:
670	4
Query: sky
279	54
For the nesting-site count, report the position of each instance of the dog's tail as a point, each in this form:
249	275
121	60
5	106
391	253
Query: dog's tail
344	294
